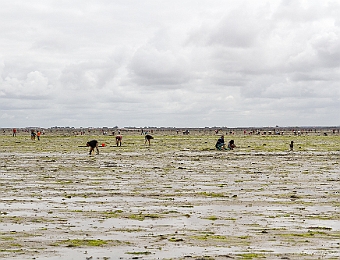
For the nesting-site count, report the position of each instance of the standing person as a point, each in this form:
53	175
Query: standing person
14	132
32	135
119	140
38	135
231	144
220	143
93	144
148	138
291	145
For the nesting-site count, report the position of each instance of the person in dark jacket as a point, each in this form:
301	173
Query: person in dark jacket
148	139
93	144
220	143
291	145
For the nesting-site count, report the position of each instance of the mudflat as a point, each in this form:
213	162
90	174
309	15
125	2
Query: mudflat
177	199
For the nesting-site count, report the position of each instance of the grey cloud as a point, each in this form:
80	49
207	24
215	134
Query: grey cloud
327	47
90	74
236	30
236	27
151	67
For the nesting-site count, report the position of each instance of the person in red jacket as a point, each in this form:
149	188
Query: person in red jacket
38	135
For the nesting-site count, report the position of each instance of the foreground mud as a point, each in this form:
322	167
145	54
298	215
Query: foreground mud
178	199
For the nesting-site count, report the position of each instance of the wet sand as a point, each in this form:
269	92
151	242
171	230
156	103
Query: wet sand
177	199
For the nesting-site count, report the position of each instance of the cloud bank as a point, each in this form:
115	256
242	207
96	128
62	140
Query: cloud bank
169	63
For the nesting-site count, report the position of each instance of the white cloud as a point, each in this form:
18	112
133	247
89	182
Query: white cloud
34	86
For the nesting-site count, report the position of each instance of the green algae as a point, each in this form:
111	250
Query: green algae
87	243
251	256
139	253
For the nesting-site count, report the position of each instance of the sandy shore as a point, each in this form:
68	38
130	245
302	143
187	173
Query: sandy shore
177	199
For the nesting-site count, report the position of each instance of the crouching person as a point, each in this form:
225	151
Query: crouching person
231	145
220	143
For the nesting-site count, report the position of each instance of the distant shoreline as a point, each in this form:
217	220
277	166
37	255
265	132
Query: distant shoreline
131	128
173	128
216	130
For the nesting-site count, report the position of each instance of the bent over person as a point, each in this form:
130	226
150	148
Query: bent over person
93	144
119	140
148	139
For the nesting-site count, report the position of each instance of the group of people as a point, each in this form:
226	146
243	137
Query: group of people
220	144
94	143
33	135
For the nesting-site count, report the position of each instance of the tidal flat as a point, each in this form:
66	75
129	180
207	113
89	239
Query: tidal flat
177	199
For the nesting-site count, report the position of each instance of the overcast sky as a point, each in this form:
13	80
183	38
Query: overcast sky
181	63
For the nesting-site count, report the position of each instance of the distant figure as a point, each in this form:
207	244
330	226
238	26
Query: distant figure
291	145
220	143
38	135
93	144
14	132
148	138
231	145
186	132
32	135
119	140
